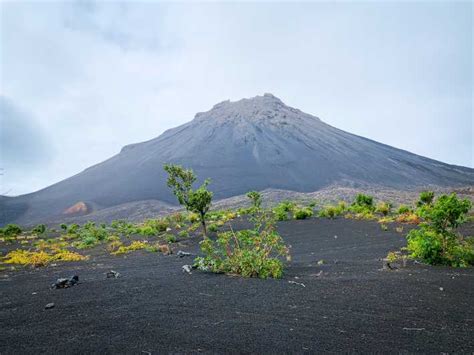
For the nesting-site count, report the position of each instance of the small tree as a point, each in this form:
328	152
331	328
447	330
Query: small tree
181	181
256	198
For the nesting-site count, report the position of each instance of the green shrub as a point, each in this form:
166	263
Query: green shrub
426	198
256	198
39	229
170	238
249	253
402	209
383	208
436	242
333	211
183	234
63	227
363	200
303	213
213	228
10	230
282	209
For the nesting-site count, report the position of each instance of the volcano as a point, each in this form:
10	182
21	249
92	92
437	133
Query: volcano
250	144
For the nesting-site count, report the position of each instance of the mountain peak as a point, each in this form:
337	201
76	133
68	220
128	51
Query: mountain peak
257	108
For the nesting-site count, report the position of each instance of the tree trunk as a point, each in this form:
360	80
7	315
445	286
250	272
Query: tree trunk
204	229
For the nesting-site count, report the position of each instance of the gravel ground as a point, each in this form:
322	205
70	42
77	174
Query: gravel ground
346	304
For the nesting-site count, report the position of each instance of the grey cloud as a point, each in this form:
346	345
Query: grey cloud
23	142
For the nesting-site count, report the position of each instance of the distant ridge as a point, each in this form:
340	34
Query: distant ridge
255	143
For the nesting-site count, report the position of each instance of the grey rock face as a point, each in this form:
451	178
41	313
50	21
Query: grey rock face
250	144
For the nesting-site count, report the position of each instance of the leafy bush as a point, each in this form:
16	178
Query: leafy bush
183	234
282	209
426	198
249	253
402	209
364	201
333	211
39	229
303	213
10	230
213	228
436	242
170	238
383	208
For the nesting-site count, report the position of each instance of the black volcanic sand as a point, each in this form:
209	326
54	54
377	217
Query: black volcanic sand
154	307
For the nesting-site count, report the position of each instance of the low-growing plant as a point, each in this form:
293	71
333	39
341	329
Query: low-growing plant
249	253
302	213
213	228
402	209
183	234
384	208
282	209
333	211
39	229
170	238
10	230
40	258
135	245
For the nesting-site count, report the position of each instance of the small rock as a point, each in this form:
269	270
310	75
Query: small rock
321	262
182	254
49	306
168	229
335	237
187	268
65	283
441	289
113	274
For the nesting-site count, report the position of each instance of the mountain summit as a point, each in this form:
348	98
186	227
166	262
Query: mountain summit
250	144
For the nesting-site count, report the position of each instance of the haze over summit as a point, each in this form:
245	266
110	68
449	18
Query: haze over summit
96	77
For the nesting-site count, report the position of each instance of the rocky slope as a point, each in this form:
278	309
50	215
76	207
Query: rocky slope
256	143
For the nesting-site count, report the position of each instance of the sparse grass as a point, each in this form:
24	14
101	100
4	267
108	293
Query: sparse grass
41	258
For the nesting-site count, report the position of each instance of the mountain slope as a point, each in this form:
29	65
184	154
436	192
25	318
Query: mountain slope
253	143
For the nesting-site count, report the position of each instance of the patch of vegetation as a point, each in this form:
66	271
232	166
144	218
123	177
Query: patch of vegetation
10	231
256	199
402	209
39	229
384	208
333	211
302	213
183	234
282	210
40	258
255	252
213	228
135	245
437	242
181	180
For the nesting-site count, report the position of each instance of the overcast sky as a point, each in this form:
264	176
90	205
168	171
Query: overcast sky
79	80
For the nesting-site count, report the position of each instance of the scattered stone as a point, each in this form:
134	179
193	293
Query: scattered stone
182	254
335	237
65	283
415	329
113	274
187	268
297	283
168	229
34	293
321	262
441	289
49	306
